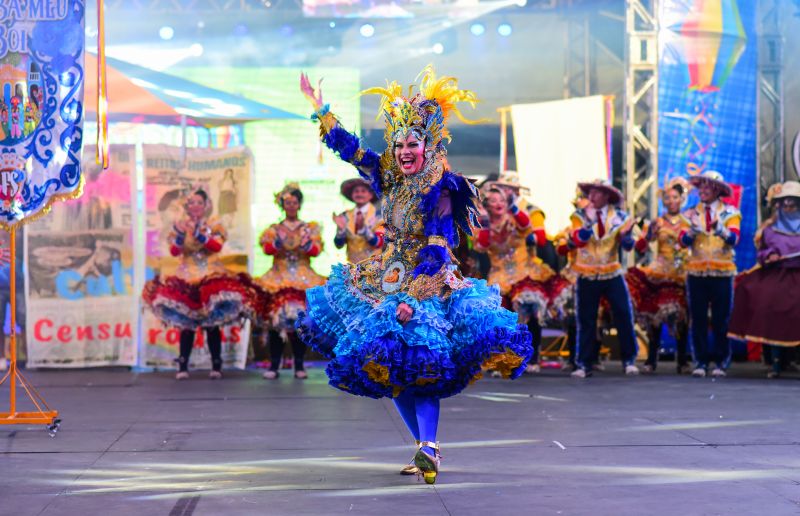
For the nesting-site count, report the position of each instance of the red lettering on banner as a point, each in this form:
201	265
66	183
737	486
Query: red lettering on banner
42	324
64	334
152	335
103	330
173	336
199	338
236	334
123	330
82	332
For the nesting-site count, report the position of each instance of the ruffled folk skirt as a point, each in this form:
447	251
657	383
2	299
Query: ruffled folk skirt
280	310
656	301
215	300
438	353
765	307
530	297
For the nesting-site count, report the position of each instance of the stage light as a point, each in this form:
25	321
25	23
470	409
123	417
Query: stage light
504	29
437	48
477	29
367	30
332	25
196	49
522	3
201	24
166	32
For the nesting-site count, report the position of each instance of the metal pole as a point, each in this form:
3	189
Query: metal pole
13	337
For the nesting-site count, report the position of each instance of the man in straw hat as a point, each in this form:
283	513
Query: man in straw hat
598	231
713	234
360	228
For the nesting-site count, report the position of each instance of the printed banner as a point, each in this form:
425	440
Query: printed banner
80	299
41	105
707	99
225	175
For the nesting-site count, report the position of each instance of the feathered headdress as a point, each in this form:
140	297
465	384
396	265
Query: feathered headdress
424	113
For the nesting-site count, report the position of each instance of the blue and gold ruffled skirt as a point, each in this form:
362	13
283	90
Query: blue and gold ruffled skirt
439	352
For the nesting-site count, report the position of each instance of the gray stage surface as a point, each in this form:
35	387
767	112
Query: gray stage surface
142	444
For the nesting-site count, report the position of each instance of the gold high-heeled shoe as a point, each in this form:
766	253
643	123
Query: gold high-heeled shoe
428	464
410	468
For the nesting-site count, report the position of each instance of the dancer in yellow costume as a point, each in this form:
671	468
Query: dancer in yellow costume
292	243
360	229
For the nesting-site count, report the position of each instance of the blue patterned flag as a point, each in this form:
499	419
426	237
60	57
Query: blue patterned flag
41	106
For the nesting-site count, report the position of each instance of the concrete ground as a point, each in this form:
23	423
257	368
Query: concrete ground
142	444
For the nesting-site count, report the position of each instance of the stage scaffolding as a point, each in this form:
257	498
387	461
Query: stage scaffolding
770	98
640	112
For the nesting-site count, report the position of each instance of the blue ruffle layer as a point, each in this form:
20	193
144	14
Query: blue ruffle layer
438	353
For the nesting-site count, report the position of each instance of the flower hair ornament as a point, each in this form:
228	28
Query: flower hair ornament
424	113
290	189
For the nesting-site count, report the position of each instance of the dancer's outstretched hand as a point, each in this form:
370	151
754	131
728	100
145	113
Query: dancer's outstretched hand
404	313
313	96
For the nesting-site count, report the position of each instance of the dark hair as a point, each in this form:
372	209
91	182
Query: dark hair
296	193
167	199
491	190
678	188
202	193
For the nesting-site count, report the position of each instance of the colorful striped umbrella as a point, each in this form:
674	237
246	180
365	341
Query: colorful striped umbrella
140	95
713	40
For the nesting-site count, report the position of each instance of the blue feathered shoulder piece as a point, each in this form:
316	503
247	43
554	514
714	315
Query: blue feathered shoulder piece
442	216
449	205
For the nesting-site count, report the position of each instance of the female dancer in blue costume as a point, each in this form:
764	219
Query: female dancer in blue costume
404	323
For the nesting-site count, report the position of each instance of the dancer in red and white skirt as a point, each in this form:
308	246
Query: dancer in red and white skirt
201	293
526	283
658	291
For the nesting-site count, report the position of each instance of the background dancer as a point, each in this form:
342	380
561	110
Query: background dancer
201	294
658	291
292	243
598	232
711	268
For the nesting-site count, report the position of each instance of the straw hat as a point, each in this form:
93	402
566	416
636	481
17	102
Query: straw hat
787	189
716	179
348	186
614	195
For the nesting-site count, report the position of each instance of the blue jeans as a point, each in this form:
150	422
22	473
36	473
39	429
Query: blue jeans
587	304
715	292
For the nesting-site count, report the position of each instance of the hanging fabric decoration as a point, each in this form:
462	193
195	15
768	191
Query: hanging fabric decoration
101	154
41	106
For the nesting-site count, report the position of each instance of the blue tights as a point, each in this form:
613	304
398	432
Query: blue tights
421	416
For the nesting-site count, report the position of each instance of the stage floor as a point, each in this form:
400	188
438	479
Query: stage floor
143	444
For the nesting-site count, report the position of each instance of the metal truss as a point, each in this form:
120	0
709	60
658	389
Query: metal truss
580	73
640	112
770	98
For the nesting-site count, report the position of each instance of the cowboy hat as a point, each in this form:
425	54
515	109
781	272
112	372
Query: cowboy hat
614	195
348	186
716	179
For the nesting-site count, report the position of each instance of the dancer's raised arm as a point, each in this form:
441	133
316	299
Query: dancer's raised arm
345	144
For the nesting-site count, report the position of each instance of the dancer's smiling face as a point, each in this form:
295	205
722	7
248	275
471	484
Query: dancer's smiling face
496	204
361	195
291	205
708	192
409	153
672	201
196	206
